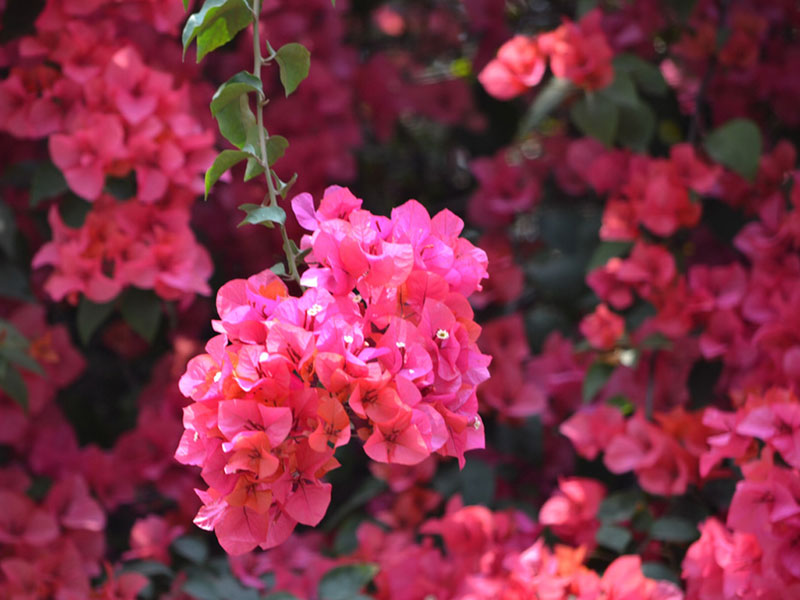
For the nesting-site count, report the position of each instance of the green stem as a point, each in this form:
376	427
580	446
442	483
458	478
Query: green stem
263	136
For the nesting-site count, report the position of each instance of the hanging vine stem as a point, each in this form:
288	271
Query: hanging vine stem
258	62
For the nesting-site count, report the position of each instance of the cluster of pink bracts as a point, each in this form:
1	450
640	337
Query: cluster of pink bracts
381	342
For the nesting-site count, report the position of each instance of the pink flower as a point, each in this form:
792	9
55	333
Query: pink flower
602	328
519	66
580	52
151	538
571	511
592	428
84	155
506	189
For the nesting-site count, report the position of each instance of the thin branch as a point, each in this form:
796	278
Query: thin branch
258	61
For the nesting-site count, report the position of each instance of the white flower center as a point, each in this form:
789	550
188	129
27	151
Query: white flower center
627	358
442	334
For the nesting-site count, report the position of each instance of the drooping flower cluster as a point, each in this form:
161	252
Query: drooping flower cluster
382	342
578	52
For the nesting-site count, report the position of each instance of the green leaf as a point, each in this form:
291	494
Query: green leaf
648	77
298	258
638	314
461	68
215	24
47	182
366	492
623	404
584	6
619	506
621	91
262	215
185	5
279	269
674	529
90	316
614	537
39	488
637	125
597	116
342	583
294	61
243	82
73	210
276	148
596	378
345	541
201	587
547	100
253	169
660	572
14	283
642	521
235	120
141	309
11	383
284	186
477	482
281	596
669	132
736	145
605	251
14	348
227	586
150	568
224	161
191	548
122	188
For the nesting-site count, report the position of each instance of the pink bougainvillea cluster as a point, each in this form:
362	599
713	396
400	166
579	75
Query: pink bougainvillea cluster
578	52
54	544
86	80
382	339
